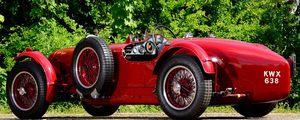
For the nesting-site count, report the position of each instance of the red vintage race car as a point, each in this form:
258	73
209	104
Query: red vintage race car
182	75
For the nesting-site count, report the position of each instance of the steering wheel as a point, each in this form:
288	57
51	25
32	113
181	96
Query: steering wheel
162	36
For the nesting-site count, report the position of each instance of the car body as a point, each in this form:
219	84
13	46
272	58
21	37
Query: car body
213	71
240	68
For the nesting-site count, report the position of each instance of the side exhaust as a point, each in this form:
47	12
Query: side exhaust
292	62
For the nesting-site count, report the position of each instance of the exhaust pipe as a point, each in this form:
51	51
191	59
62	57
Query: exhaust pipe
292	62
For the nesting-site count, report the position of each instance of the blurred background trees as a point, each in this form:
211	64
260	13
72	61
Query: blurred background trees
47	25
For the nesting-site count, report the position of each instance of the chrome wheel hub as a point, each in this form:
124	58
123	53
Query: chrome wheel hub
21	91
176	87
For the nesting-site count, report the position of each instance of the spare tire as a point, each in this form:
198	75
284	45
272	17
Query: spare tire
93	68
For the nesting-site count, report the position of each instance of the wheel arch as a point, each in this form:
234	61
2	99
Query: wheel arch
49	71
191	49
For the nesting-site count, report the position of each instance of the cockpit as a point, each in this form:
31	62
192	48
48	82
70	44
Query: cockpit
145	46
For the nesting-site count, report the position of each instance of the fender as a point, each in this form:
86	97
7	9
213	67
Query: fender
47	67
205	60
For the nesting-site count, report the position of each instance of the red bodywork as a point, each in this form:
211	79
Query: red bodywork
47	67
241	72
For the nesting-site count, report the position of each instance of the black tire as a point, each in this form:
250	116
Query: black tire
191	87
254	110
94	75
101	110
26	90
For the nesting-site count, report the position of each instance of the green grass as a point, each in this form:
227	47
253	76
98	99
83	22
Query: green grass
224	109
65	108
4	109
77	109
139	108
70	108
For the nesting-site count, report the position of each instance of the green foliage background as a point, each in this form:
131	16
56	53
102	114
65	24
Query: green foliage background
52	24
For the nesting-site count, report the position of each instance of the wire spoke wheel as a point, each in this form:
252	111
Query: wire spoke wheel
182	91
87	67
180	87
93	68
25	91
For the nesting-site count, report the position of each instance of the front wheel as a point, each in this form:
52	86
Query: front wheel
182	91
254	110
26	90
100	110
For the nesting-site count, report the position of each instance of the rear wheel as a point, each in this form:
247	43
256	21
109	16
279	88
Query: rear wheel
100	110
26	90
182	91
254	110
93	67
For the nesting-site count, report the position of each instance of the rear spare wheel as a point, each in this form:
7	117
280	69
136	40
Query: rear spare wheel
93	67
